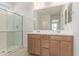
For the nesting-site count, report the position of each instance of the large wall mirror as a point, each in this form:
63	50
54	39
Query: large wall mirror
50	18
55	22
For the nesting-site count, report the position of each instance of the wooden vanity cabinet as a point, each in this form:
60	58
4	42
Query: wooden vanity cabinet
50	45
34	44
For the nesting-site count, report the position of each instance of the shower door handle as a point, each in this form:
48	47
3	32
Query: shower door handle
17	27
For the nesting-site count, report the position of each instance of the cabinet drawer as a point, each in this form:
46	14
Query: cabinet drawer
56	37
45	52
45	36
45	43
67	38
37	36
64	38
37	52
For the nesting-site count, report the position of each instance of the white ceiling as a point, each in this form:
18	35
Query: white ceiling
26	6
14	5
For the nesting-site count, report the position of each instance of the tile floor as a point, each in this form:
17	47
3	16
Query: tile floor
20	52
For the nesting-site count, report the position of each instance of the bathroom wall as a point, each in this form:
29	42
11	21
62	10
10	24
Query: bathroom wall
65	27
75	27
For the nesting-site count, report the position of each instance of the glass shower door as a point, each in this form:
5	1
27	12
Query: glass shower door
14	34
3	31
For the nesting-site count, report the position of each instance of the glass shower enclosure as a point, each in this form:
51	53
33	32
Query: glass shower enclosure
11	31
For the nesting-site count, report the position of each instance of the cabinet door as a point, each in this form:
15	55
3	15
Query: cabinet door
44	43
31	45
37	46
66	48
45	52
34	46
44	47
54	48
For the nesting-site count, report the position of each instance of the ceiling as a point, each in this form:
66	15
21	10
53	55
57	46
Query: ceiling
55	10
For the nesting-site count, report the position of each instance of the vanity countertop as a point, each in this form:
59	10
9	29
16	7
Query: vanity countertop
51	33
